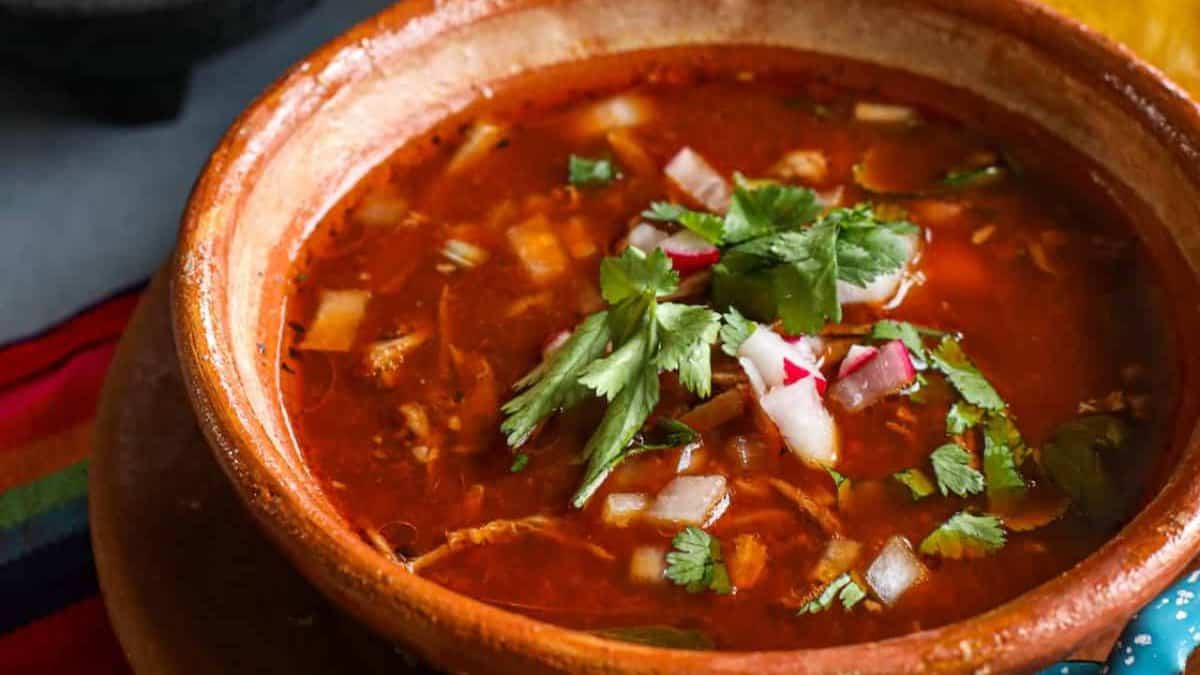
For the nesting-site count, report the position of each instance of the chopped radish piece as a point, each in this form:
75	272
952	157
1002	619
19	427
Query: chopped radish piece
618	112
555	342
794	373
807	428
647	565
699	180
887	373
691	500
895	570
856	358
645	237
336	323
620	508
881	288
768	351
689	251
755	377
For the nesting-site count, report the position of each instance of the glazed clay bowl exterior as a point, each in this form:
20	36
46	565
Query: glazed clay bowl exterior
307	140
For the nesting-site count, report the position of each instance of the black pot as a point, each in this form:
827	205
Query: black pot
129	60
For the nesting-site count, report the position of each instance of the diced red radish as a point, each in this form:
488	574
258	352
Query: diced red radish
793	372
856	358
645	237
895	570
881	288
767	350
755	377
555	342
807	428
689	251
885	374
699	180
691	500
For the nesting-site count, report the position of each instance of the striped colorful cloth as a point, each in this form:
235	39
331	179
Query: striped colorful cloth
52	619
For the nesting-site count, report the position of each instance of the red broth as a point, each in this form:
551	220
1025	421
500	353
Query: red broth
1040	273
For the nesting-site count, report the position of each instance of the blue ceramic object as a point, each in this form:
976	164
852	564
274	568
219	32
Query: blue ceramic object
1157	640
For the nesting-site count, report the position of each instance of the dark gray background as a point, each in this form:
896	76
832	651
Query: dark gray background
87	208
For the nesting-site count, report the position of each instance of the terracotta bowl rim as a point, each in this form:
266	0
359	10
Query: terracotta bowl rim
1051	612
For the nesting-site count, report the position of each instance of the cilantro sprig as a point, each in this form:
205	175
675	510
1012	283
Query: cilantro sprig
953	470
844	588
696	563
1074	461
965	535
646	337
586	171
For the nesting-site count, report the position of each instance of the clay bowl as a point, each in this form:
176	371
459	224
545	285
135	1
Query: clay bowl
350	105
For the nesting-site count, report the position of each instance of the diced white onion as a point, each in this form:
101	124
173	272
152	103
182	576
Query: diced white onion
895	570
620	508
646	237
755	377
618	112
539	249
336	322
647	565
480	140
839	556
464	253
699	180
885	113
691	500
806	426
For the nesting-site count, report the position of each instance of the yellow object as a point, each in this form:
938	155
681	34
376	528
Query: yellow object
1164	32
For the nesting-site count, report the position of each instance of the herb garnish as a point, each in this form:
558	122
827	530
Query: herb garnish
1073	461
585	171
519	463
962	416
1002	444
735	329
949	358
843	588
647	338
918	484
953	470
696	562
965	535
967	178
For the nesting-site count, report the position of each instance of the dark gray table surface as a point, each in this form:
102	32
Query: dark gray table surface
87	208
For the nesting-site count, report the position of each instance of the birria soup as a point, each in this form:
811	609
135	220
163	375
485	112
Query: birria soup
742	359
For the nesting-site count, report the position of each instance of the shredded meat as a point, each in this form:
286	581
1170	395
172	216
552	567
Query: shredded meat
500	531
822	515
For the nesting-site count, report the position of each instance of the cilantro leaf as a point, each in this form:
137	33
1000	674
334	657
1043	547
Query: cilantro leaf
962	416
635	273
673	434
554	384
610	375
688	332
805	289
973	177
707	225
965	535
735	330
843	588
1073	460
585	171
952	467
767	208
1001	445
792	274
837	477
918	484
949	358
910	335
696	562
519	463
622	420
